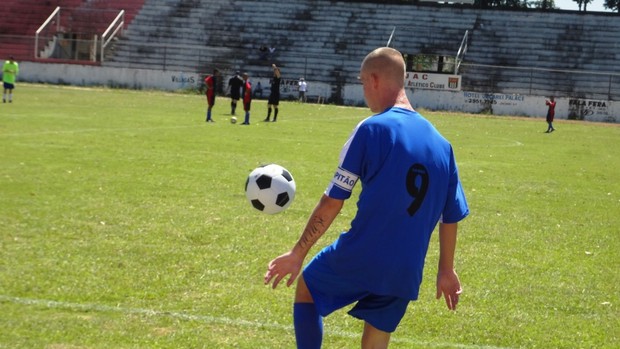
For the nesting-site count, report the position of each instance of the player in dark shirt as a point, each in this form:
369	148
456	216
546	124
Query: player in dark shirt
274	96
234	84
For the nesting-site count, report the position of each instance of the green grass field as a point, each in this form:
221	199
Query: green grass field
123	224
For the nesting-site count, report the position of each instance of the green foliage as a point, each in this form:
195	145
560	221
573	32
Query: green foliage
506	4
542	4
123	224
612	5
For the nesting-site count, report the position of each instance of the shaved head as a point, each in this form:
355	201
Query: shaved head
383	78
386	62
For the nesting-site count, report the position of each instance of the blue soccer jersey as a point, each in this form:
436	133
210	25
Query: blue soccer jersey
409	183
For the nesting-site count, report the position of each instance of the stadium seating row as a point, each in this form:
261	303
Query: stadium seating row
324	40
20	20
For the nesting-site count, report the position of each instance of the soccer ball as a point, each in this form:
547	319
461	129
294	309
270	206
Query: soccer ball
233	120
270	188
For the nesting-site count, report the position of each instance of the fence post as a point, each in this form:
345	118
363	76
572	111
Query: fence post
93	49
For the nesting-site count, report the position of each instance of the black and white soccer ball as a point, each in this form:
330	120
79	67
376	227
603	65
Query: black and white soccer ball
270	188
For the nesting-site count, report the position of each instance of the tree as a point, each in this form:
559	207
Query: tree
613	5
515	3
584	3
500	3
547	4
543	4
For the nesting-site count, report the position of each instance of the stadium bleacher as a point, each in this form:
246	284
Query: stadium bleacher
20	20
557	46
515	51
21	17
325	40
310	38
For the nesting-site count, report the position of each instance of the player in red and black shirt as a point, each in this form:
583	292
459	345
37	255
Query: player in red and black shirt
246	93
550	114
211	85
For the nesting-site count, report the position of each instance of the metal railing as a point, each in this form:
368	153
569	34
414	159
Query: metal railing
50	33
110	33
601	85
50	20
461	53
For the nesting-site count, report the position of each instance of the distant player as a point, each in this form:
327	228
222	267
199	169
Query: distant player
234	84
274	96
246	92
550	114
10	69
303	88
211	85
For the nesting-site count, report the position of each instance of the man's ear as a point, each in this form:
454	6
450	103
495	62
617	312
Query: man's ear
374	79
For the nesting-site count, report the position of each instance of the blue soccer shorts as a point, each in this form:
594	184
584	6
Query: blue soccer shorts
331	292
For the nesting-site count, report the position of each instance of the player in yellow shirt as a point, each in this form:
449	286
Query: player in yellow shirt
10	69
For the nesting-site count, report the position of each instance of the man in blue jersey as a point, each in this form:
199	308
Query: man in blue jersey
410	183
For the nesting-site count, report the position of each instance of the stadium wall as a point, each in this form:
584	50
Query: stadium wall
504	104
473	102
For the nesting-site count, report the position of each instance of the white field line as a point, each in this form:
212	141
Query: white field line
217	320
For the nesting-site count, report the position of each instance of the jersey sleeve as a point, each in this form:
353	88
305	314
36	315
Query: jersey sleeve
456	207
350	166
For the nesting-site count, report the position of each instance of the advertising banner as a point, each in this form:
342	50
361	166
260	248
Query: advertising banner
446	82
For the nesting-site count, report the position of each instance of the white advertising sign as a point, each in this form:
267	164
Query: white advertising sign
446	82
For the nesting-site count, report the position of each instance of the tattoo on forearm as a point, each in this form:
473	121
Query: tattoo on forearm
313	232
